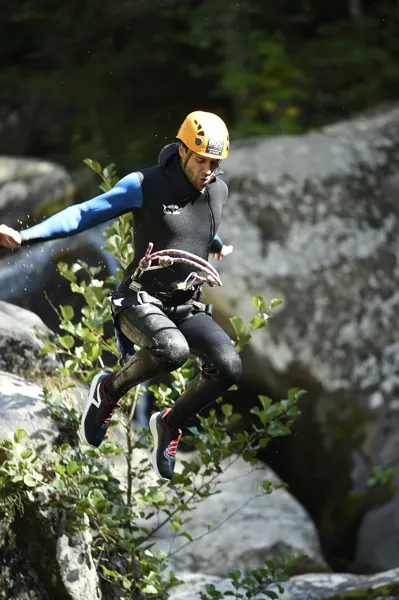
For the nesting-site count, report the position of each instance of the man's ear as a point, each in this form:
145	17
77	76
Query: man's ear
182	152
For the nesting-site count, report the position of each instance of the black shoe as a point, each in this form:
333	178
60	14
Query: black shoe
166	441
98	412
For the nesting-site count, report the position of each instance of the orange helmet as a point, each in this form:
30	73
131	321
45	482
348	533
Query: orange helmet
206	134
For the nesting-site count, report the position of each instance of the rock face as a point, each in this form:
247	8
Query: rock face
38	559
310	587
320	216
22	407
30	191
376	550
32	188
21	337
248	527
61	562
41	560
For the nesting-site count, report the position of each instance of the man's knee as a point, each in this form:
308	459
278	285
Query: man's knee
226	365
172	349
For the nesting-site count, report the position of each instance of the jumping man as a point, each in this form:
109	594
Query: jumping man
177	205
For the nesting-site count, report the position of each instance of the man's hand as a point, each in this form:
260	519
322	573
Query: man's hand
9	237
225	251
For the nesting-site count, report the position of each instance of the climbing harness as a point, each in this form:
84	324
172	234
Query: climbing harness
164	259
167	258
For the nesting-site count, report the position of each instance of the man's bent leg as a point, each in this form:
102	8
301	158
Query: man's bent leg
163	349
221	367
213	379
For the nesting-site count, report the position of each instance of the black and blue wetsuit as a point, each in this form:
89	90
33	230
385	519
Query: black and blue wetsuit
167	209
169	212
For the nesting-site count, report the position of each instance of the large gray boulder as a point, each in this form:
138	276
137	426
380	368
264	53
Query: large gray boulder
249	527
22	336
30	191
240	526
380	586
39	558
22	407
32	188
320	216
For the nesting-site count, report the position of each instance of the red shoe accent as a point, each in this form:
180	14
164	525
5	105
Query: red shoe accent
111	405
172	447
166	411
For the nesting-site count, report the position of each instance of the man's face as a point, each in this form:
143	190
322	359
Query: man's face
198	169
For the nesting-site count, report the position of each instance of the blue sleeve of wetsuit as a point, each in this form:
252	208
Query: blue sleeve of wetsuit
217	244
124	196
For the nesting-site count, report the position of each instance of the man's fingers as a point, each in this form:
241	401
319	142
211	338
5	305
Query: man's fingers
10	238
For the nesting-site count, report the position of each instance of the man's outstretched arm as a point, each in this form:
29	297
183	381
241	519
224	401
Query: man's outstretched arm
124	196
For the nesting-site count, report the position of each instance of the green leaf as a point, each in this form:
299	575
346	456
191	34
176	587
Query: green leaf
238	325
94	165
265	401
294	394
72	467
102	477
30	481
260	303
186	535
257	323
110	574
67	341
93	352
87	335
276	429
77	289
66	272
60	468
275	302
157	496
19	435
78	266
150	589
26	453
227	410
69	327
47	347
67	312
243	341
267	486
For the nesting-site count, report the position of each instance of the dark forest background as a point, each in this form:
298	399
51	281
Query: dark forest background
113	79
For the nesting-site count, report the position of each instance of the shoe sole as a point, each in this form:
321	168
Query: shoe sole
154	432
88	405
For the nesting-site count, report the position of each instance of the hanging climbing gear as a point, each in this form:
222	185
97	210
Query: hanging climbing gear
166	258
160	260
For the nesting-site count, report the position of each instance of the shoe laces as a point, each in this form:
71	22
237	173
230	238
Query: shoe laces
172	447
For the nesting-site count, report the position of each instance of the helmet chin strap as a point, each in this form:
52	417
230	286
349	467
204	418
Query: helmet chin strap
188	156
